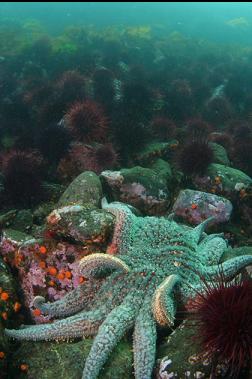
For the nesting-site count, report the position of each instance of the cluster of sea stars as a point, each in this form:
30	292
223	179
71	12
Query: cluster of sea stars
136	284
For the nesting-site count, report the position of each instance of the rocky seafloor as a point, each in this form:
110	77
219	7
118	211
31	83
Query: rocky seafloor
45	262
155	120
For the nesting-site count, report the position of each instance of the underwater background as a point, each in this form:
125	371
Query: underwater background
148	105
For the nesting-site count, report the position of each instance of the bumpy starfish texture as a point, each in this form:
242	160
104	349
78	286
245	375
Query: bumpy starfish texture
154	260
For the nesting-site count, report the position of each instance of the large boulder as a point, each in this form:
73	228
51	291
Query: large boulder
220	154
81	223
223	180
49	268
164	168
144	188
86	188
195	206
155	150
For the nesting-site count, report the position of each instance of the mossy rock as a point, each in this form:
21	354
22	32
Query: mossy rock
86	188
42	211
23	220
144	188
53	191
7	218
4	349
16	236
50	360
162	167
10	286
149	178
223	180
181	354
155	150
229	176
86	224
220	154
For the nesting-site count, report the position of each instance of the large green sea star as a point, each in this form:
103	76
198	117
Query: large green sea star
150	261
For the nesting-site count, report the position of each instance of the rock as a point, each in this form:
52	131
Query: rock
15	236
144	188
162	167
42	211
23	220
52	191
9	308
7	284
39	231
4	350
220	154
86	188
81	223
181	355
155	150
46	360
38	263
8	287
223	180
195	206
244	209
7	218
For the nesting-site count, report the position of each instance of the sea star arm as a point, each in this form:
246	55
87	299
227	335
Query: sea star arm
229	268
94	264
144	343
110	332
163	302
211	250
196	234
123	224
83	324
73	302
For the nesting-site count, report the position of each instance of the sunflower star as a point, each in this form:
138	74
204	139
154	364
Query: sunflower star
153	259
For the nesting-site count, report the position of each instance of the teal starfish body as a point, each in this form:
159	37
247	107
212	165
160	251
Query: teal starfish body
149	261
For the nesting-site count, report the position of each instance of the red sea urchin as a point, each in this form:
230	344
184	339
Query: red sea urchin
221	138
71	87
224	318
82	157
87	122
197	129
163	128
195	157
106	157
